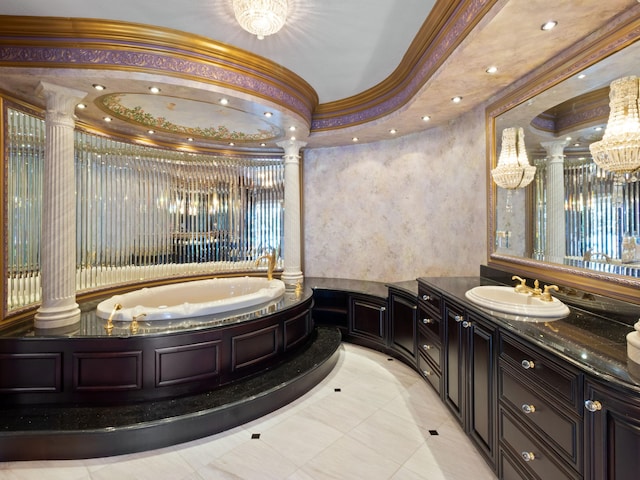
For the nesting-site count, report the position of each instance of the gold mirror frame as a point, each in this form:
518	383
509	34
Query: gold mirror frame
615	36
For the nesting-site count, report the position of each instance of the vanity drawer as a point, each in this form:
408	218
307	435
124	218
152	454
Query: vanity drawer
429	321
533	366
429	372
562	432
533	458
430	298
429	345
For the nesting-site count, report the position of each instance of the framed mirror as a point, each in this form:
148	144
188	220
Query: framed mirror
588	235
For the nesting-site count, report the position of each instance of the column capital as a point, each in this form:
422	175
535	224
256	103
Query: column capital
291	147
555	148
59	99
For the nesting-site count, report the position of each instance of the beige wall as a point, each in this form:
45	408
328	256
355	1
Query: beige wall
398	209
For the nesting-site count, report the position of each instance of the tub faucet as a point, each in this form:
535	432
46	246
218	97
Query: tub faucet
271	257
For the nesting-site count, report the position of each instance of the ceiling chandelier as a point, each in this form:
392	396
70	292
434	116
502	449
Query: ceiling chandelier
513	169
261	17
619	149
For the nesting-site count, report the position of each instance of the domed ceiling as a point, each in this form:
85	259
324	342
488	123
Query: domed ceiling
336	73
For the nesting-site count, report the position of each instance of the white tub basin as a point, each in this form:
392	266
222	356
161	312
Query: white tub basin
192	299
507	300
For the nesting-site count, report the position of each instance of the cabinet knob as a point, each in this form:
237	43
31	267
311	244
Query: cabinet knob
427	321
426	298
466	324
426	347
528	456
426	372
593	405
528	408
383	309
528	364
458	318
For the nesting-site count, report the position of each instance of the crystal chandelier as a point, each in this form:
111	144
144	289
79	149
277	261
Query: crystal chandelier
619	149
513	169
261	17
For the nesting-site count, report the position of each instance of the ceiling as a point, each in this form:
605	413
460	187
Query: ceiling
361	67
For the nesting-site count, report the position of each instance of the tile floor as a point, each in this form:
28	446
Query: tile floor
371	418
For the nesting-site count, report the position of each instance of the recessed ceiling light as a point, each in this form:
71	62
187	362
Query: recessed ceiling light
568	139
231	144
190	139
576	144
154	89
268	114
354	139
263	144
456	99
81	106
548	25
293	139
426	118
292	128
224	101
492	69
99	87
107	119
598	129
150	132
393	131
581	76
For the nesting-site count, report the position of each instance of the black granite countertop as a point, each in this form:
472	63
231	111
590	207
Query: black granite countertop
376	289
593	342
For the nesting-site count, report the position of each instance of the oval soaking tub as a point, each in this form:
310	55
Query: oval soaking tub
192	299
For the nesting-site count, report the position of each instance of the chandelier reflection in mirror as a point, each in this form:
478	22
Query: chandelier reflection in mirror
261	17
619	149
141	213
512	172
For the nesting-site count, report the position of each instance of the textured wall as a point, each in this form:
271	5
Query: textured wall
398	209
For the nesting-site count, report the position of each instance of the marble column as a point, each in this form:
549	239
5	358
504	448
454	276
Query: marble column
555	244
58	245
292	273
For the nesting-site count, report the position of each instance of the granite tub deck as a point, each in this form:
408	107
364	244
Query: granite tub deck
71	432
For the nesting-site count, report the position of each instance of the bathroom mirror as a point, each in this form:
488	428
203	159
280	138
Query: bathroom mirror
567	97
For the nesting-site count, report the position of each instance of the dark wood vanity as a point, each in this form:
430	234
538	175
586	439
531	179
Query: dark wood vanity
549	400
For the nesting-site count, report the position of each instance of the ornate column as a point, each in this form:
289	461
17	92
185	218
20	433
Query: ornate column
292	245
58	244
555	246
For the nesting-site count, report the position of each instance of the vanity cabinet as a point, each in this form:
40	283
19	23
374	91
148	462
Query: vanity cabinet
403	324
429	340
612	423
368	319
540	413
470	374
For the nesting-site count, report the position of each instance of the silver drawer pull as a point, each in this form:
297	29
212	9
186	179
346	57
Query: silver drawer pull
527	364
593	405
458	318
426	298
427	321
528	456
426	373
466	324
528	408
426	347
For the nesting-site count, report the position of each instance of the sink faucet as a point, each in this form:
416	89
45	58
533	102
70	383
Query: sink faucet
271	257
590	253
545	295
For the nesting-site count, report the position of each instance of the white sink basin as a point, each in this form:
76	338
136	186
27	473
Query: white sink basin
507	300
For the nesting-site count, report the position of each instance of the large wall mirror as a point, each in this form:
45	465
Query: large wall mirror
588	236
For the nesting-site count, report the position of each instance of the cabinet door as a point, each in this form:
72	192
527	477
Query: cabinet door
612	427
402	325
454	360
368	318
482	385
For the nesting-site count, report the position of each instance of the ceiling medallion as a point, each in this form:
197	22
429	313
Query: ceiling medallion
261	17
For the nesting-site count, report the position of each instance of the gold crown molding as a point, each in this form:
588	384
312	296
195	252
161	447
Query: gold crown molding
87	33
447	25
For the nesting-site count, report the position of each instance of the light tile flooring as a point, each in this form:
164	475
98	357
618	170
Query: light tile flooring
371	419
